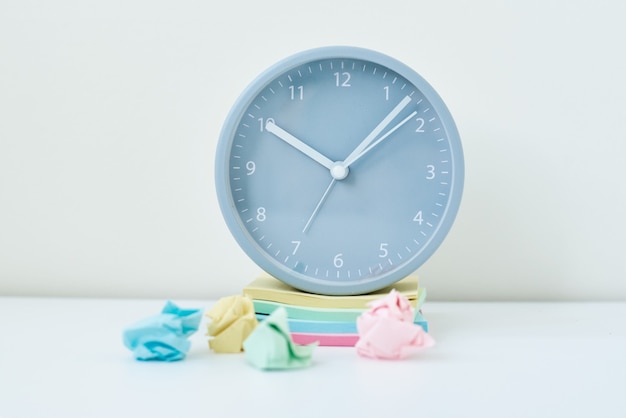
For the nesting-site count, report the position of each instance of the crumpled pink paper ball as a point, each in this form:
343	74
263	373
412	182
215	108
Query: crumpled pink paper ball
387	331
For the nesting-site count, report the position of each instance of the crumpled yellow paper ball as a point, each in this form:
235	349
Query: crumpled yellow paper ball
232	320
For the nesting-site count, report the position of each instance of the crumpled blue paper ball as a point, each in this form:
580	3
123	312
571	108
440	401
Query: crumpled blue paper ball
163	337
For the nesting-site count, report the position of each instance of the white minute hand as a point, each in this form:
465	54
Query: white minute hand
377	130
348	162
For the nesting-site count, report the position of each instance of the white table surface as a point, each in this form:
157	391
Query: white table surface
64	358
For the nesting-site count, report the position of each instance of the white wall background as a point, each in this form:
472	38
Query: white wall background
110	113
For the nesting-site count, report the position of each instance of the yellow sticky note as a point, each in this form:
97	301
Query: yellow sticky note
232	320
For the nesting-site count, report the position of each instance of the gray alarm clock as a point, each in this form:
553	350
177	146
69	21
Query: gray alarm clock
339	170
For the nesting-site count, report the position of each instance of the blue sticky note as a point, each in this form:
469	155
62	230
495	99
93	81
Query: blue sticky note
163	337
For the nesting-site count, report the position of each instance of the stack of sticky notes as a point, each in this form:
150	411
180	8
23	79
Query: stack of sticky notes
328	320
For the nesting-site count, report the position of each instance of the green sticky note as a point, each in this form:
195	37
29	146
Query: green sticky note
270	346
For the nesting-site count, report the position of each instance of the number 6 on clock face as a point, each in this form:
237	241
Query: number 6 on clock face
339	170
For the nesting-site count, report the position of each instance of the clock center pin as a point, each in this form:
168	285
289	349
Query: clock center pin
339	171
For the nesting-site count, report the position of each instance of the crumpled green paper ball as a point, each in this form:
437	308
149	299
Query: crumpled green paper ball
270	346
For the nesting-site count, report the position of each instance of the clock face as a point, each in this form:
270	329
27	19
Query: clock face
339	171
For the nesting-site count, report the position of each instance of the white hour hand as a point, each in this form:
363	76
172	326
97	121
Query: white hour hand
271	127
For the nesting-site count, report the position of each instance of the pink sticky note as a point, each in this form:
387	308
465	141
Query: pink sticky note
329	340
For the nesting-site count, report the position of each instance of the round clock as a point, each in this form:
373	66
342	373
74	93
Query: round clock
339	170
